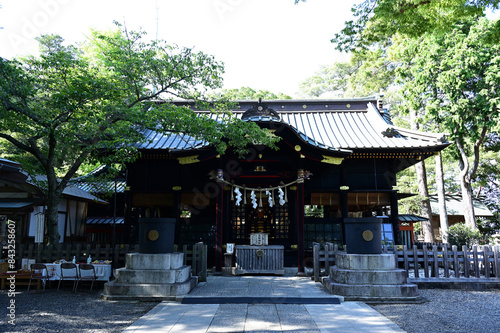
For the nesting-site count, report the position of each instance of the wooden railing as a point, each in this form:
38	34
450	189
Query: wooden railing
197	259
195	256
323	258
480	262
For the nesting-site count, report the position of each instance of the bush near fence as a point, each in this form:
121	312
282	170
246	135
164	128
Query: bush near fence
434	263
194	256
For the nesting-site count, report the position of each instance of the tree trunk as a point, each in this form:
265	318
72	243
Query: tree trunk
53	218
425	203
53	198
465	183
469	215
424	191
443	214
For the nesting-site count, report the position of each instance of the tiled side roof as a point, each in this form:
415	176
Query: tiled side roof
325	124
104	220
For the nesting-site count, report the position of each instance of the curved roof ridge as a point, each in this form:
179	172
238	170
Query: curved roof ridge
333	125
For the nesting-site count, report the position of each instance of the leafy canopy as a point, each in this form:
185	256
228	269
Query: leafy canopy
453	78
378	20
366	74
247	93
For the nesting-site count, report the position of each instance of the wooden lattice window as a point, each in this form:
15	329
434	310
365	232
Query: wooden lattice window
274	221
281	222
238	221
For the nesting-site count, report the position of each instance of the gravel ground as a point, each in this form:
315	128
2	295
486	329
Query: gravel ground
65	311
447	311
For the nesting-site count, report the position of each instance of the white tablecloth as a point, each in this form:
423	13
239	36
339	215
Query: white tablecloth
102	271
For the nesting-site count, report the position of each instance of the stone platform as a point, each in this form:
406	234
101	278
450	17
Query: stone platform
370	278
149	277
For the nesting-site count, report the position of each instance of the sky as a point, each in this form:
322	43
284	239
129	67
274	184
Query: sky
265	44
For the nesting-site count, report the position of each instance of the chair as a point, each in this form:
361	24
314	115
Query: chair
37	273
86	277
68	275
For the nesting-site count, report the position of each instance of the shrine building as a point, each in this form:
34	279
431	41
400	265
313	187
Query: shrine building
336	160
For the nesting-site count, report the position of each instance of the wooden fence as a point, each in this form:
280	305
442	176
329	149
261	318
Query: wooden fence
195	256
480	262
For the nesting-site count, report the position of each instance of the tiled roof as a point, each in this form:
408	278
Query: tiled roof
411	218
326	124
71	190
93	184
454	205
102	186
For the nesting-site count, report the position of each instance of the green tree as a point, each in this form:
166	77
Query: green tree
74	105
453	79
366	74
247	93
377	21
461	234
332	80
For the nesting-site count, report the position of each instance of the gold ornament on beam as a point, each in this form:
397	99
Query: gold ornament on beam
332	160
188	159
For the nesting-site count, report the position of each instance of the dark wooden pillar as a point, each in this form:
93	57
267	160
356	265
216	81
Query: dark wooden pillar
394	218
177	214
344	208
300	223
219	220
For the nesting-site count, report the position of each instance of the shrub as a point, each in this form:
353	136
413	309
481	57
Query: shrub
460	234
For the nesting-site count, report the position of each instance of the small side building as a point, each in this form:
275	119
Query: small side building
23	202
455	211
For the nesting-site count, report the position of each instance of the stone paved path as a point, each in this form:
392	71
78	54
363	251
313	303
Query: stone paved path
304	318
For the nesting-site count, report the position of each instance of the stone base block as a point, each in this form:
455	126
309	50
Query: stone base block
364	276
145	261
152	291
141	276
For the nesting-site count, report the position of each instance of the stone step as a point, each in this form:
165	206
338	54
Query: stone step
148	276
371	291
365	276
259	300
147	291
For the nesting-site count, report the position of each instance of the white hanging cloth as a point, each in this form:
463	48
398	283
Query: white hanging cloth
238	195
270	198
281	196
253	197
